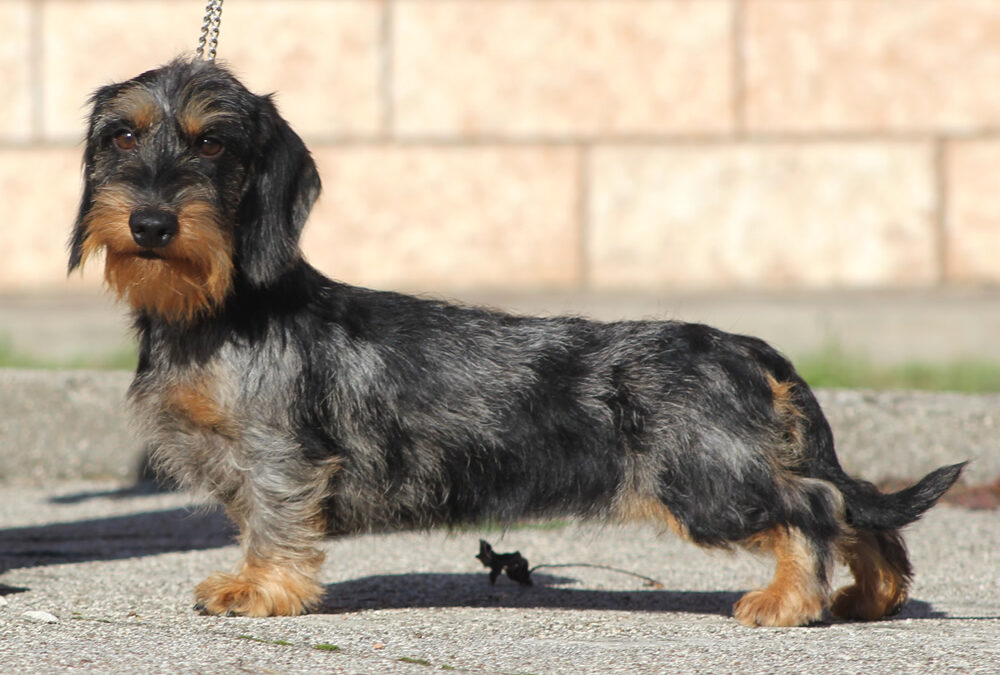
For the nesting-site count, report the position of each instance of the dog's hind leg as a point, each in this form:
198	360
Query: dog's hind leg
882	575
799	591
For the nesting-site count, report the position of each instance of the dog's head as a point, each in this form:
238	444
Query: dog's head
190	181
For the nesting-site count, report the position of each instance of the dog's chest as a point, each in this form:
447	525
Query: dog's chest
195	400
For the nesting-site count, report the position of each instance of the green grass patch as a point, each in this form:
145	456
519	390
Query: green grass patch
833	368
326	647
419	662
124	358
251	638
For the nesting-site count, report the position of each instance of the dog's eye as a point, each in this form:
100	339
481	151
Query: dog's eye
124	139
209	147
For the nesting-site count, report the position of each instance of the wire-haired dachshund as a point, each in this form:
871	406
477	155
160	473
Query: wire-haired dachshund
308	407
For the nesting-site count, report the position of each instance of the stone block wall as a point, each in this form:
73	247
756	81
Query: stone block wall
578	145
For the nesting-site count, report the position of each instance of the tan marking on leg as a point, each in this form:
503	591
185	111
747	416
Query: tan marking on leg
264	587
882	575
795	596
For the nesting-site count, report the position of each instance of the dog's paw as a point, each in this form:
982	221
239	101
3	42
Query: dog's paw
769	607
853	603
258	591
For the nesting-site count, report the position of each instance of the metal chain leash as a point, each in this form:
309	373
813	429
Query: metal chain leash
210	30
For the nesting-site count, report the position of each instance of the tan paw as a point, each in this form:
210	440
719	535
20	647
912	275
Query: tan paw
768	607
853	603
258	590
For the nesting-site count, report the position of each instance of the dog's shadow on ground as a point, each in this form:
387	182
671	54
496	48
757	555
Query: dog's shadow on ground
433	590
114	537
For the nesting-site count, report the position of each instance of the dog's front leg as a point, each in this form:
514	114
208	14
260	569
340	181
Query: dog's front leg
278	510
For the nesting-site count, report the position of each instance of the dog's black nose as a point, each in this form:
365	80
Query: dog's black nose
152	228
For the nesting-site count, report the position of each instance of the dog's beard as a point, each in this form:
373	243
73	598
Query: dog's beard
191	276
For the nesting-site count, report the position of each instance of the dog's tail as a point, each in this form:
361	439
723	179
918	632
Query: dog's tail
870	509
867	507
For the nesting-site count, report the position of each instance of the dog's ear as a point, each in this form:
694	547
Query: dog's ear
282	186
100	97
79	234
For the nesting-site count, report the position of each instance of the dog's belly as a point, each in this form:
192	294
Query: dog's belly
430	486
